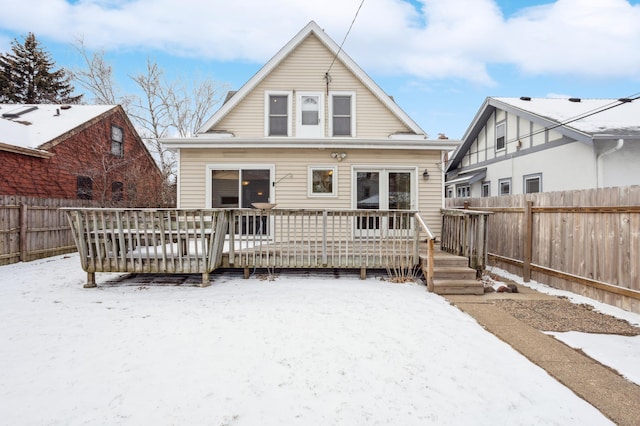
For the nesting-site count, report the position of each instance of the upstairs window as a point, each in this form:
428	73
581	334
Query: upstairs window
501	131
278	109
342	114
117	141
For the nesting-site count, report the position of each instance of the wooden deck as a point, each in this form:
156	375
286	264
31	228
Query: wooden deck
203	240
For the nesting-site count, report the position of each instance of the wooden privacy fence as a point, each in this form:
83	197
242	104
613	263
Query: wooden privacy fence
199	241
587	241
34	228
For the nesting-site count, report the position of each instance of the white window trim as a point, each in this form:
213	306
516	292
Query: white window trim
289	95
532	176
334	186
466	188
502	123
415	196
500	186
353	112
482	186
238	166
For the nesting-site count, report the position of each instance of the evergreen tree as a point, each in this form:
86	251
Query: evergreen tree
27	76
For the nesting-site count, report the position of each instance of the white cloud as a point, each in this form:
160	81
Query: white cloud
442	39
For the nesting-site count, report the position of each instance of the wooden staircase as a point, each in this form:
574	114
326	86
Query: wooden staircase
452	275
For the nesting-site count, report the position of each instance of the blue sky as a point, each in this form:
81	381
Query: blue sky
439	59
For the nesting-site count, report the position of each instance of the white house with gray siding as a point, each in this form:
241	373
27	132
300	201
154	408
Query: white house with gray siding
312	130
524	145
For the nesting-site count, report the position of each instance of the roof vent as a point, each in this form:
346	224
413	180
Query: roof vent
575	100
525	98
625	100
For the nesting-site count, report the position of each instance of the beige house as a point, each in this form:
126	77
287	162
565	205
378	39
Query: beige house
311	130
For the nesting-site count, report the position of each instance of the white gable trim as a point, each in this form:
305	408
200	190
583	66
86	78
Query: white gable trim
310	28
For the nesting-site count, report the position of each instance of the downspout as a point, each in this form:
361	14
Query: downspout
599	172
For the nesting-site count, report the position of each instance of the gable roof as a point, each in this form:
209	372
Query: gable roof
27	127
310	28
584	120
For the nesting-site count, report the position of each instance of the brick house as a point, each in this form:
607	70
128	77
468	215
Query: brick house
89	152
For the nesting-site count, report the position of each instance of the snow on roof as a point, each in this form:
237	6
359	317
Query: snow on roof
601	116
29	126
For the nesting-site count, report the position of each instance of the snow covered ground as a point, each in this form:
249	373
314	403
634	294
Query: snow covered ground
298	350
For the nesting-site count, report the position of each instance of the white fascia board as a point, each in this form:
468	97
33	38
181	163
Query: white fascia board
406	144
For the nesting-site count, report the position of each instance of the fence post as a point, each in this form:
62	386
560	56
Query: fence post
528	240
23	232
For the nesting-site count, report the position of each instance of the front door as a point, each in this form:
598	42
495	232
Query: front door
310	115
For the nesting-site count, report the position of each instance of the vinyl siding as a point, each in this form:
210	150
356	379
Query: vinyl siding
303	70
292	192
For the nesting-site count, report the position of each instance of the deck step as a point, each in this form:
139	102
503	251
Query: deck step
454	273
447	286
447	260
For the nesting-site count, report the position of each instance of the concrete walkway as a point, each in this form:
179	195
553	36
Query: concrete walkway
616	397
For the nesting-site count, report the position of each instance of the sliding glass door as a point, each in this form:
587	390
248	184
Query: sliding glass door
240	188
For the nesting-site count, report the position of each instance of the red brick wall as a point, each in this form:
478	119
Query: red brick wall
85	152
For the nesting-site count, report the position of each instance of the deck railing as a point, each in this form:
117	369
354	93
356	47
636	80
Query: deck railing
201	240
464	233
148	240
430	238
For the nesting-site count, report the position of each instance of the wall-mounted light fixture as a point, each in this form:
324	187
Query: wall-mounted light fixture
425	174
339	155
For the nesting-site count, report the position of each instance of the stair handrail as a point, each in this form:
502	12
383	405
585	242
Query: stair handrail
430	248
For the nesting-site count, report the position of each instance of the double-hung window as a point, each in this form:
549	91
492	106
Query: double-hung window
342	112
278	114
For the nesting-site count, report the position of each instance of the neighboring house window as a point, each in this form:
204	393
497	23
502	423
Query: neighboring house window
505	186
449	192
486	189
84	188
117	191
501	131
342	113
117	141
322	181
532	183
463	191
278	109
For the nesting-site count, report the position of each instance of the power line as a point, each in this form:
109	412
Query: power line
326	75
